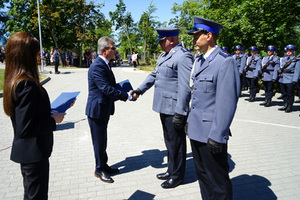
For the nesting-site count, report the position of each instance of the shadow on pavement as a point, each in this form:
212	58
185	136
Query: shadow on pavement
138	195
248	187
67	125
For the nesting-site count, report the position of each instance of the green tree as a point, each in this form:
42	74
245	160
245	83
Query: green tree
147	32
124	22
246	22
3	17
65	24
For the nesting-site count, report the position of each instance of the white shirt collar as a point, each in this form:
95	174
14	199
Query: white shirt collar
209	52
106	61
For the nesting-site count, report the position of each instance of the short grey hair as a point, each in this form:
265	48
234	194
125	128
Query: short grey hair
103	43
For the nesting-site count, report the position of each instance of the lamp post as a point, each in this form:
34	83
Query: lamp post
40	35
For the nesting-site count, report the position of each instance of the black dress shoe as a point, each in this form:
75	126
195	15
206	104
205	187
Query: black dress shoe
297	101
163	176
110	170
171	183
104	177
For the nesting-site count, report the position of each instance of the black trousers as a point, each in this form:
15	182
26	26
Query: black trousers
287	91
268	87
98	129
56	66
252	83
175	141
212	172
35	180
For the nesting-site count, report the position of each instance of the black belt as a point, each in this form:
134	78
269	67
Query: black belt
287	72
268	70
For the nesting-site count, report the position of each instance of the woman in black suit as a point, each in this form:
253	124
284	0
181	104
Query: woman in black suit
27	103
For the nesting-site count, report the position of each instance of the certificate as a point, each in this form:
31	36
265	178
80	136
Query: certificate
63	101
124	86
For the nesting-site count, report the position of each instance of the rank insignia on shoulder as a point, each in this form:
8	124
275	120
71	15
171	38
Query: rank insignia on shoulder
224	54
184	50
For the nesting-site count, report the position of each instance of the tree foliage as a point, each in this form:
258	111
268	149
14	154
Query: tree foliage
65	24
147	32
246	22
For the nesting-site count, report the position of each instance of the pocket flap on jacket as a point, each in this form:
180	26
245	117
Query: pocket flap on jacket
206	77
208	116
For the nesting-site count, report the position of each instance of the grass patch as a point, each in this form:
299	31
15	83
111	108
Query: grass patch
42	77
145	67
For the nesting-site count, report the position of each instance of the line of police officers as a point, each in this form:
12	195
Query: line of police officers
270	69
214	76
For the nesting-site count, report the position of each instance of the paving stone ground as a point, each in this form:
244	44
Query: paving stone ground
263	152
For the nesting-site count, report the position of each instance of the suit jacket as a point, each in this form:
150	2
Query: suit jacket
171	80
269	74
102	91
216	88
254	67
293	67
32	123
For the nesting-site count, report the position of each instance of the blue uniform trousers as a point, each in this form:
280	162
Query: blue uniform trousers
212	172
268	87
252	83
175	141
287	91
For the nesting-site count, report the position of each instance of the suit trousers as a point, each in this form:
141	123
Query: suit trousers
98	129
36	180
268	87
212	172
175	141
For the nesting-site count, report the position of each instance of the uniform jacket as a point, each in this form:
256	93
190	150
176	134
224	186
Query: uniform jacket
241	61
55	56
216	88
254	67
293	75
102	91
269	72
171	80
32	123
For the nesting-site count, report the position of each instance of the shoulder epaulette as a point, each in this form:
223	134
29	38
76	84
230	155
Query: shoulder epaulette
183	49
224	54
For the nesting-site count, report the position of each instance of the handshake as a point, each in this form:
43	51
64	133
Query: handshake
135	94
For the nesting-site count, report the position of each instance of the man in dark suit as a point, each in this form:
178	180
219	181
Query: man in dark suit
171	100
216	86
100	105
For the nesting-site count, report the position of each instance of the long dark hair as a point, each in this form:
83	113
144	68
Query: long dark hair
22	50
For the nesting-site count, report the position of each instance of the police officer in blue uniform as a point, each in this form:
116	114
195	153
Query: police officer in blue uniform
251	69
215	86
171	100
225	49
288	77
240	58
56	60
269	64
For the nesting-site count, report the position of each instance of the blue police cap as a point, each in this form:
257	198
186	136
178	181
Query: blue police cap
55	48
202	24
271	48
224	48
285	49
165	32
238	47
254	48
290	46
243	48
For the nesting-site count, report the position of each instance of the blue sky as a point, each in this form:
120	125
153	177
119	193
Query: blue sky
137	7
